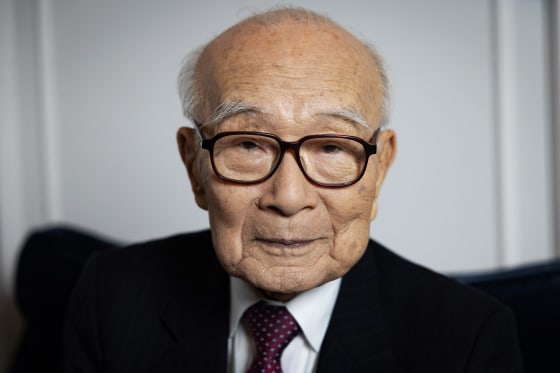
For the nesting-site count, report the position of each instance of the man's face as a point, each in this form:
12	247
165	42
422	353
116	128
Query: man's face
286	235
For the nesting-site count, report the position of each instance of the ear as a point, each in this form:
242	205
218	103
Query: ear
187	142
386	152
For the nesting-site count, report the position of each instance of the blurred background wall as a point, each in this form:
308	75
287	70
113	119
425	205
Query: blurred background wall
89	111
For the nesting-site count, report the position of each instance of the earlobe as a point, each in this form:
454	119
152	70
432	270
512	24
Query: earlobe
189	151
373	210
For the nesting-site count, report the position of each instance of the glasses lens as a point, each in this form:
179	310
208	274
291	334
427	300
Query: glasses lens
332	160
325	160
245	157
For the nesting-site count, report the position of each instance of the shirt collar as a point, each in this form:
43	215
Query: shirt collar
312	309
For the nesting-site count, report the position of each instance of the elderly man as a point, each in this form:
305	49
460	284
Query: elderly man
288	154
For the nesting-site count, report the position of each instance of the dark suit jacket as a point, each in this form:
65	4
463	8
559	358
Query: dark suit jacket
163	306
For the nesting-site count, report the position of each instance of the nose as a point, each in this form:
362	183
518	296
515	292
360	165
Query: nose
288	192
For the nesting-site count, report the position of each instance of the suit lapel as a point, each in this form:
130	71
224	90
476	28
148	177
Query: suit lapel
356	339
197	322
199	338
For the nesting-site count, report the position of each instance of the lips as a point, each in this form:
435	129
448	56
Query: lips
285	243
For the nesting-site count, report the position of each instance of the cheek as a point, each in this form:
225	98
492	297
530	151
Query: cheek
350	217
350	207
228	204
227	210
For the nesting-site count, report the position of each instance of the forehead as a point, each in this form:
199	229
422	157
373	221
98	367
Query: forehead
295	68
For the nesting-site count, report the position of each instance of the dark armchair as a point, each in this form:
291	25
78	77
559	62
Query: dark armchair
533	293
48	267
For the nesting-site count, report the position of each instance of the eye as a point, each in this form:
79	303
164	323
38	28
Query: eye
248	145
331	148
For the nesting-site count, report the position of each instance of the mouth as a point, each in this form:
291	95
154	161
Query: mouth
285	243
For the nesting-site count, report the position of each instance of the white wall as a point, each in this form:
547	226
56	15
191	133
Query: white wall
89	113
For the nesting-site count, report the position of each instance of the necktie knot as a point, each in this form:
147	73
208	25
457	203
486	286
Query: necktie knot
273	328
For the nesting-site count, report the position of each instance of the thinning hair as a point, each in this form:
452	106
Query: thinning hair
190	95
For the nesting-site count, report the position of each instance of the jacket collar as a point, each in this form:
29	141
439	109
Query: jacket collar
356	339
197	321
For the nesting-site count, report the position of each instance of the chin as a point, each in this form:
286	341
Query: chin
287	283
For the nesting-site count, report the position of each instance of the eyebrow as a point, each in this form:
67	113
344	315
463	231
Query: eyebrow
348	115
229	109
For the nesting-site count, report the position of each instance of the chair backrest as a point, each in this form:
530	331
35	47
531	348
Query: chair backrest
49	265
533	293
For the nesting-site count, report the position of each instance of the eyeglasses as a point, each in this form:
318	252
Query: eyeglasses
244	157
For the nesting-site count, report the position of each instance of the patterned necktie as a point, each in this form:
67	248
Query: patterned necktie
273	328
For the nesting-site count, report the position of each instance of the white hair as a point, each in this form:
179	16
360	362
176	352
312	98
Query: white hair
188	84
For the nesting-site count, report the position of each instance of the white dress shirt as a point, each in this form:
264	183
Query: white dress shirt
311	309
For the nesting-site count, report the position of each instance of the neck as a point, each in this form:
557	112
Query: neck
281	297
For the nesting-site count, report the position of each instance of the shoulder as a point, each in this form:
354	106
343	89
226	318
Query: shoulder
403	283
428	313
114	318
148	273
182	253
196	243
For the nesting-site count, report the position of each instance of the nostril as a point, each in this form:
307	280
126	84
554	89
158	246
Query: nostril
278	211
287	192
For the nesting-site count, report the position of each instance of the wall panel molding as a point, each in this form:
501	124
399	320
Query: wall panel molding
48	105
27	144
11	201
30	190
554	43
525	186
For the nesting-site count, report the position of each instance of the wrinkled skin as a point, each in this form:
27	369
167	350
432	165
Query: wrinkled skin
286	235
